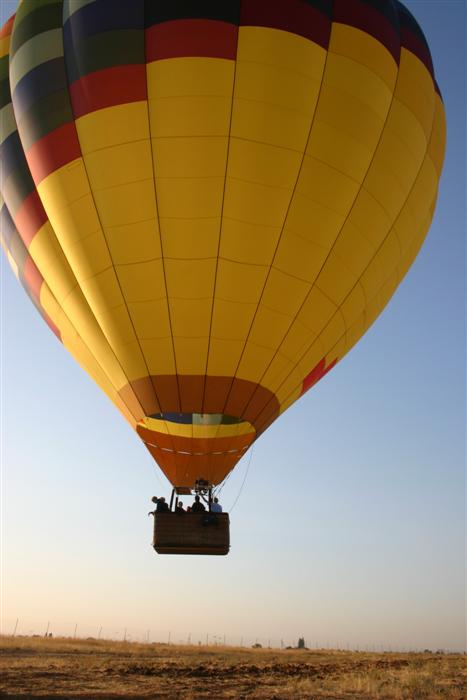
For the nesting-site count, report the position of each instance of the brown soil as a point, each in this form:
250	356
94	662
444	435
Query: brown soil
64	668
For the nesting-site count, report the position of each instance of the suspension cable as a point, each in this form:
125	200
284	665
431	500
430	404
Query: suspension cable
244	479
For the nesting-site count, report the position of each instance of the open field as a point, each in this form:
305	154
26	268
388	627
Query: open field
67	668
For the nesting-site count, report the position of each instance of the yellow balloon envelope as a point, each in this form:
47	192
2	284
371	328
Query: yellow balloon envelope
211	202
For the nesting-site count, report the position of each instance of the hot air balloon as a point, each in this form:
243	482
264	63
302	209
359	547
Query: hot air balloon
211	202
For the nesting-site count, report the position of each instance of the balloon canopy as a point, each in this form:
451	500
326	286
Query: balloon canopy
211	202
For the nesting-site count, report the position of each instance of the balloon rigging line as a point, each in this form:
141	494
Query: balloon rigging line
243	482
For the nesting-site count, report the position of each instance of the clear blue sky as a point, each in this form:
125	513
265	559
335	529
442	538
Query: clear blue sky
350	526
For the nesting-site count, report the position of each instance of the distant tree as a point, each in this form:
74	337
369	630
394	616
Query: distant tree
257	646
301	643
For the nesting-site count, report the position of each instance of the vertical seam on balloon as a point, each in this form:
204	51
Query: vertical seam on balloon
90	311
162	250
258	383
104	238
369	263
312	284
222	209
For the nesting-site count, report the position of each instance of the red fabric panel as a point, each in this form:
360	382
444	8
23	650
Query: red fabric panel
191	37
30	217
53	151
108	87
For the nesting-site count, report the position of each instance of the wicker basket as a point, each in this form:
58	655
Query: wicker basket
191	533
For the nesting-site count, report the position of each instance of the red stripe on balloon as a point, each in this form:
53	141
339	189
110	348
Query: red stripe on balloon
33	278
294	16
30	217
191	37
362	15
7	28
108	87
413	44
316	374
53	151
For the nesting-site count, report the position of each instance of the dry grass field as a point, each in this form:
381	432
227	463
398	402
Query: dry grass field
67	668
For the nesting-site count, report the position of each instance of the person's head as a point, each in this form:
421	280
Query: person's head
197	498
154	499
180	504
162	499
216	500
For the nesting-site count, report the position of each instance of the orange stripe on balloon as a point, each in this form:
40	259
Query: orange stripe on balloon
30	217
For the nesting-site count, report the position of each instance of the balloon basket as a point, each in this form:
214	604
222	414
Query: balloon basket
192	533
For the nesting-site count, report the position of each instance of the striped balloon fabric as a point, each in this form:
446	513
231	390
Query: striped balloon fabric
210	202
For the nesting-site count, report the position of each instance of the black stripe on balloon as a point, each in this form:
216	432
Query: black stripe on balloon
11	152
5	95
324	6
18	187
7	227
113	48
41	81
45	116
169	10
102	16
43	19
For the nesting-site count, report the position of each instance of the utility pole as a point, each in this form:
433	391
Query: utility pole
99	633
124	635
76	627
168	642
16	626
47	630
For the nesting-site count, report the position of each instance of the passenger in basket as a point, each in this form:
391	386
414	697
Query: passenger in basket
197	506
162	506
216	506
179	510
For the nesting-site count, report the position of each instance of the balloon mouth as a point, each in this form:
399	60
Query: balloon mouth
196	426
191	446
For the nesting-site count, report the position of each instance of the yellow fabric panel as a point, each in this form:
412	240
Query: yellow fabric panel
313	221
338	149
278	371
415	89
231	320
223	355
281	49
363	48
256	204
190	198
277	82
82	354
336	279
126	204
372	278
263	164
62	187
190	318
132	243
142	281
345	75
239	282
437	144
48	256
284	293
367	209
316	311
190	238
353	305
327	186
192	156
112	126
89	256
298	257
254	360
408	129
296	340
248	243
5	45
159	355
198	431
190	355
118	165
150	318
353	249
190	96
269	327
190	279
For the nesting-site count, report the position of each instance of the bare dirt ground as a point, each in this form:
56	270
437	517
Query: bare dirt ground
67	668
